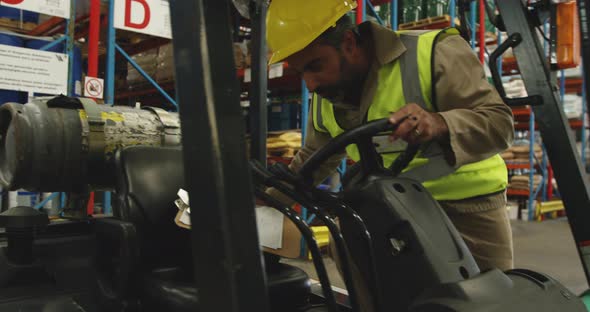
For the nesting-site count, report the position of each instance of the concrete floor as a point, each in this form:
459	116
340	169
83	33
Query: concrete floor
546	247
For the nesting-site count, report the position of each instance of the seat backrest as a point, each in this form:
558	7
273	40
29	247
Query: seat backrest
148	179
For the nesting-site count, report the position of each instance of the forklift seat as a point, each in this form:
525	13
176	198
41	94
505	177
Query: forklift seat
144	258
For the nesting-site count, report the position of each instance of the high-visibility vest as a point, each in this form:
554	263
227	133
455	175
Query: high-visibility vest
407	80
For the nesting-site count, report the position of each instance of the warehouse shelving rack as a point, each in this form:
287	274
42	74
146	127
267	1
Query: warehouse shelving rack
544	192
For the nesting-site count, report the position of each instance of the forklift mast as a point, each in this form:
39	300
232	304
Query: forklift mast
553	124
226	252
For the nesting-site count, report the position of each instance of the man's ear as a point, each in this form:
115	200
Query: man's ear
349	44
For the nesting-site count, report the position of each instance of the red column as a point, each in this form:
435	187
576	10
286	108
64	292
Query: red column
360	8
549	182
93	36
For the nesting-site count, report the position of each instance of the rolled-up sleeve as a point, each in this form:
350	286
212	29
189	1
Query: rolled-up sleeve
480	123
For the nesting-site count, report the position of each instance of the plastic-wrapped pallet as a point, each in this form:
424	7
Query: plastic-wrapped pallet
572	105
240	54
507	155
515	88
159	63
165	59
148	61
520	153
284	144
521	182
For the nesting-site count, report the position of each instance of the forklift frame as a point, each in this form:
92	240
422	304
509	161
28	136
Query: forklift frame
227	258
228	263
553	124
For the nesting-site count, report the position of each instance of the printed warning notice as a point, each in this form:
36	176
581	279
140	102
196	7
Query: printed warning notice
33	70
93	87
59	8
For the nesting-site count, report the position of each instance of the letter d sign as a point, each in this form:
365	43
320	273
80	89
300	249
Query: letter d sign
145	20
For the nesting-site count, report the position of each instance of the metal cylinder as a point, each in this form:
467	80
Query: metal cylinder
67	144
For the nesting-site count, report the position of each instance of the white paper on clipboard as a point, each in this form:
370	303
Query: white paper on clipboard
269	223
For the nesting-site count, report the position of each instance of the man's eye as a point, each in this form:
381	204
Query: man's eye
314	66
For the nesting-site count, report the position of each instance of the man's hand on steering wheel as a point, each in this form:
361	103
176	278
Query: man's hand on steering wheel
418	126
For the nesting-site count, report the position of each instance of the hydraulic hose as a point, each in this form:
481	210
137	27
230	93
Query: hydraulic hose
311	243
282	172
270	180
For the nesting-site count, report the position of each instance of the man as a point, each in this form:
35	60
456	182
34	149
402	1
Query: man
430	83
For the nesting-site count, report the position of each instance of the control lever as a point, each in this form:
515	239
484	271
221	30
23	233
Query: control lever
283	172
270	180
309	239
404	159
330	201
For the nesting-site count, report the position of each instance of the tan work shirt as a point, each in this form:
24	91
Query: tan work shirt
480	124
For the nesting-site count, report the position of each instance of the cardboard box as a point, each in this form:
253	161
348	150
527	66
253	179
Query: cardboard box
291	246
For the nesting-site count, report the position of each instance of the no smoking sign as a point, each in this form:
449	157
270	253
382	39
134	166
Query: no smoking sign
94	87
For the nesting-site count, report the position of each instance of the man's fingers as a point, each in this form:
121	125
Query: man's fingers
398	117
401	114
407	119
404	128
413	132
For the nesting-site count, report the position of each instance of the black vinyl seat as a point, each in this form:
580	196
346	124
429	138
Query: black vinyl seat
145	260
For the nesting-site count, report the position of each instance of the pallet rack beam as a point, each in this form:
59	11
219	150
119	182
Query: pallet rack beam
53	43
46	26
374	13
146	76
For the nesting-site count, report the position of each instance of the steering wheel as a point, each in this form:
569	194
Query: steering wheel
370	161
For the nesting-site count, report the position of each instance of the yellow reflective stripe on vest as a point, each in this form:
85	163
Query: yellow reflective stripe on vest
390	83
318	121
480	178
425	47
326	109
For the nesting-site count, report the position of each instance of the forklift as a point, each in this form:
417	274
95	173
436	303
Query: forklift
520	21
139	260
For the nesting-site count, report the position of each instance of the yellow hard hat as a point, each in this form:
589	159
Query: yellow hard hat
293	24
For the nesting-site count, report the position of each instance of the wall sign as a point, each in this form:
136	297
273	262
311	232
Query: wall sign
59	8
150	17
31	70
